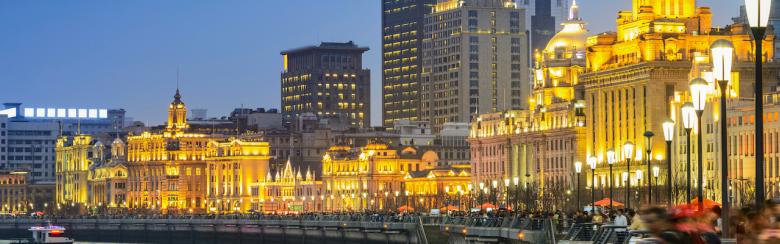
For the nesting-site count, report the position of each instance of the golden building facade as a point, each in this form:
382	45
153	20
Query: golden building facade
107	182
633	74
289	191
174	170
73	158
447	187
351	177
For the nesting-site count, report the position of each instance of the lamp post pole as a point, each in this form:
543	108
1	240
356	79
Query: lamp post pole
610	161
722	56
628	152
758	17
649	149
592	162
699	89
578	169
527	193
668	126
688	111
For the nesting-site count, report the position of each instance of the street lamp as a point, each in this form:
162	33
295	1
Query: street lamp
649	150
668	126
639	186
699	90
688	115
516	203
656	171
506	192
626	185
722	60
578	169
758	17
592	161
628	152
610	161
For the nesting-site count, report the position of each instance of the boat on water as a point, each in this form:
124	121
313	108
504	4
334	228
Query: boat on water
49	234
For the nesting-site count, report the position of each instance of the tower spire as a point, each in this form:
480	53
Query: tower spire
574	11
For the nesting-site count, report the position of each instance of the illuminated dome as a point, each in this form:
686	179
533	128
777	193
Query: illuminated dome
572	36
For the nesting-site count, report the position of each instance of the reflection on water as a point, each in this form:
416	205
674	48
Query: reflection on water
78	242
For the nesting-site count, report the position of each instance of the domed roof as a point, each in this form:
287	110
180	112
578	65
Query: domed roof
573	35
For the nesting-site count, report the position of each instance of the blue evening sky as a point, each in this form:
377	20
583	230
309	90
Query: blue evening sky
124	54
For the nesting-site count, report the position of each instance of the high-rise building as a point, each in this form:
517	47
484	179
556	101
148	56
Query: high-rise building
327	80
546	17
402	37
539	146
475	60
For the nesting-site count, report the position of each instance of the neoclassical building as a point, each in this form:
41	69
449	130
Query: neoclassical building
636	74
538	146
107	181
175	170
73	158
351	177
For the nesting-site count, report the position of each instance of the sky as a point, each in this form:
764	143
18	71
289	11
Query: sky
125	54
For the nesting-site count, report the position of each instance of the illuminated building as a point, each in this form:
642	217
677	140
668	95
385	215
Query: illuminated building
74	156
352	177
475	60
289	191
436	188
13	192
540	145
327	80
646	63
108	176
402	37
176	170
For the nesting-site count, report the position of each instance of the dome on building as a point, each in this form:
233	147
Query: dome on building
572	36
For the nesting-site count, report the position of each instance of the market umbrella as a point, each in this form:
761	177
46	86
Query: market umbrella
605	202
405	208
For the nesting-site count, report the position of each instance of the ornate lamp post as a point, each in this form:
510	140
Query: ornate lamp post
699	90
578	169
495	192
668	126
626	184
722	59
516	203
628	152
592	161
610	161
481	191
688	115
639	186
506	192
649	157
656	171
758	17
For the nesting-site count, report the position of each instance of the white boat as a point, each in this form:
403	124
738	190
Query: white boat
49	234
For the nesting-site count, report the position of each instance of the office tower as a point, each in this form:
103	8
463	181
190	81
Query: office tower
402	35
475	60
327	80
546	17
28	135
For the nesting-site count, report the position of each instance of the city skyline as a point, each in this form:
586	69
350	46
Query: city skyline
109	54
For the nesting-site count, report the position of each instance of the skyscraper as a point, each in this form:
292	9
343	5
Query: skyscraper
402	34
546	17
327	80
475	60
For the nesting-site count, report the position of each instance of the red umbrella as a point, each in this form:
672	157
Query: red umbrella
405	208
707	203
449	208
605	202
486	206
